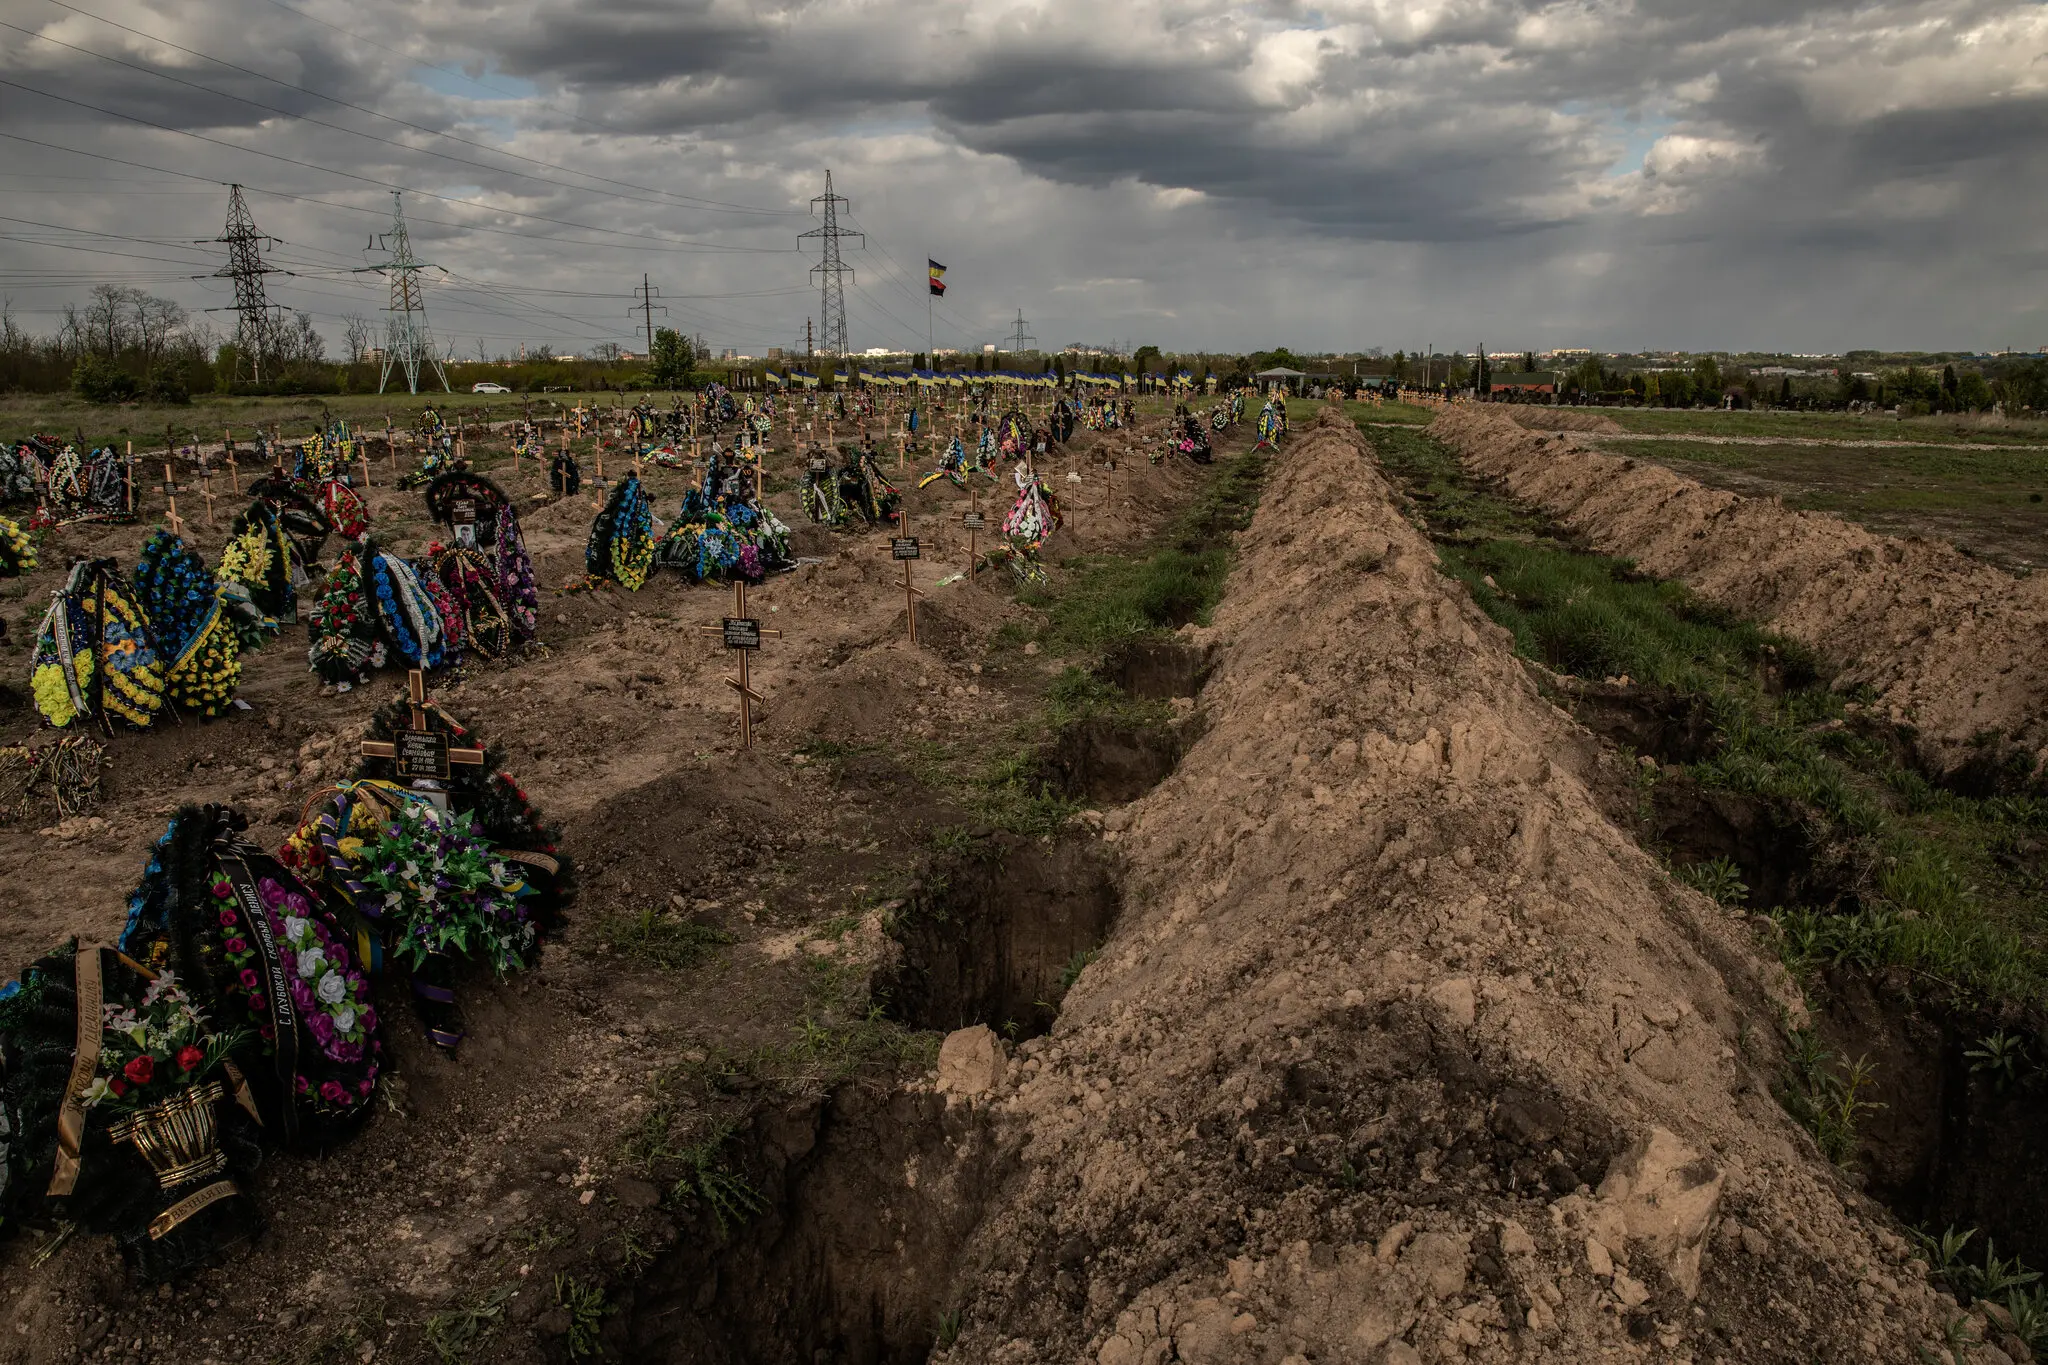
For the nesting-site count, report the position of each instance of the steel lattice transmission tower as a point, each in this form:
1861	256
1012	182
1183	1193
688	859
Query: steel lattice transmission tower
1020	336
831	271
256	331
406	338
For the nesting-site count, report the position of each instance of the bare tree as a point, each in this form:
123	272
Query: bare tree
606	352
105	324
299	341
154	322
359	334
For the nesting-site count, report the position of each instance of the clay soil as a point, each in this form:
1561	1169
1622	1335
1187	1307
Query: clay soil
496	1172
1950	644
1397	1048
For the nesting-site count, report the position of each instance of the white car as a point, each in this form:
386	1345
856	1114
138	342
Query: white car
488	387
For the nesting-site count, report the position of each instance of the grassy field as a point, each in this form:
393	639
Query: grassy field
1951	897
1826	426
1991	503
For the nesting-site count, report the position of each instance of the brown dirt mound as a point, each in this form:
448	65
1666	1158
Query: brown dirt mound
1400	1050
1952	645
1563	419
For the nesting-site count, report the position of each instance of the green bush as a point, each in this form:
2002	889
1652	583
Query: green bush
99	380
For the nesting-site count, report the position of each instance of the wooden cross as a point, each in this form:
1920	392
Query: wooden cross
905	548
390	445
742	633
131	478
417	752
171	489
363	450
234	470
972	520
206	491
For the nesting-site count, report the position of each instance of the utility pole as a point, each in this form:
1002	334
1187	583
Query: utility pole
808	349
1020	336
647	294
406	338
830	270
259	320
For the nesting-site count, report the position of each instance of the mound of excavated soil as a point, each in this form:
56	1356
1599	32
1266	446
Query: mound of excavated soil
1953	646
1400	1051
1563	419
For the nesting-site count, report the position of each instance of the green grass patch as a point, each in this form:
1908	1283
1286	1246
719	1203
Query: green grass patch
1939	900
1827	426
663	938
1108	599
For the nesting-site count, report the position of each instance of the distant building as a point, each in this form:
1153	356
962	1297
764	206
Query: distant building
1539	381
775	353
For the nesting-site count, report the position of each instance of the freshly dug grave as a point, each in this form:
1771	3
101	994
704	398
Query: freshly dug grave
728	900
1400	1050
1950	645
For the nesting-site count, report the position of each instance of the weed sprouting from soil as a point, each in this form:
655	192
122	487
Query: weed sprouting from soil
454	1332
1826	1096
662	938
1718	879
1956	888
585	1304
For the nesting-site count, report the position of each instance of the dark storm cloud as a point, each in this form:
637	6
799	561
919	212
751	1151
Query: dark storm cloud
1644	164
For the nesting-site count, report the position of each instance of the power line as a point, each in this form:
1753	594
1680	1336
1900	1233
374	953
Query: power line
1020	336
406	337
379	213
831	271
259	321
647	306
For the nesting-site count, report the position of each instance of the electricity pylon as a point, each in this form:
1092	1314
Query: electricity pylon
1020	336
406	338
830	270
256	329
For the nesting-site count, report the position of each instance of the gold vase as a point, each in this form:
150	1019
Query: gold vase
179	1137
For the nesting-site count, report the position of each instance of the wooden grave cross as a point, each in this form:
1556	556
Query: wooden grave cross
172	488
744	634
206	490
904	548
973	520
363	450
417	753
234	470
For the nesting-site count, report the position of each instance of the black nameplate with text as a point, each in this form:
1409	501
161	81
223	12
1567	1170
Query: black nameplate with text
421	753
904	547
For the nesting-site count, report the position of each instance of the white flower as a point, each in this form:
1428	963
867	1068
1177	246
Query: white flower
309	963
296	928
331	988
345	1020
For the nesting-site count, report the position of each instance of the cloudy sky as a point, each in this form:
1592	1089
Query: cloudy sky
1622	174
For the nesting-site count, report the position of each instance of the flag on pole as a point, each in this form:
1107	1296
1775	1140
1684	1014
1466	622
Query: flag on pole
938	277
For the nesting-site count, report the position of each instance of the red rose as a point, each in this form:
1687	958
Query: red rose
140	1070
190	1057
117	1085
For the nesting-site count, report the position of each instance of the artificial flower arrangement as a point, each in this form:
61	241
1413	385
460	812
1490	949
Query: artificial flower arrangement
157	1150
296	516
445	892
712	542
408	611
498	564
621	546
94	655
17	551
155	1049
259	558
195	623
343	644
276	962
347	847
864	489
